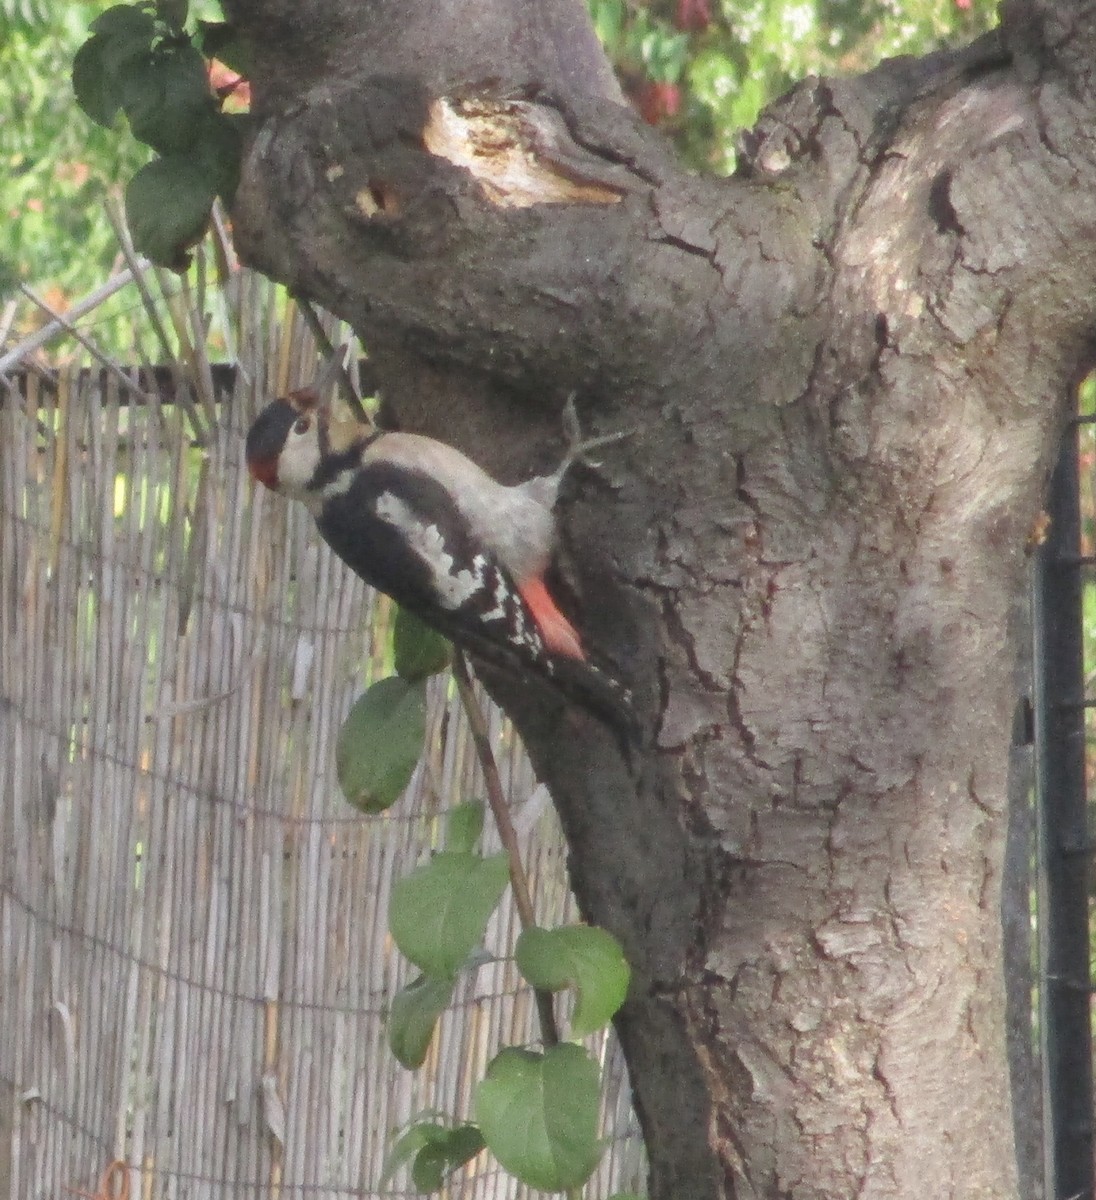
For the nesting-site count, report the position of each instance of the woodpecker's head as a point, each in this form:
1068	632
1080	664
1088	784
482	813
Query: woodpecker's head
287	443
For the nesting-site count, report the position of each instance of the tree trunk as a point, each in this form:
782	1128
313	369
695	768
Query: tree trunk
847	365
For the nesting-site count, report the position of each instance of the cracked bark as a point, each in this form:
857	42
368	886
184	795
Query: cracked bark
850	364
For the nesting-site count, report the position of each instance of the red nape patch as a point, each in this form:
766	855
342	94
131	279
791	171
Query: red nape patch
265	470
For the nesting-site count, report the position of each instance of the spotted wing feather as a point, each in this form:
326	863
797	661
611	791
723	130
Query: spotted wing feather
402	534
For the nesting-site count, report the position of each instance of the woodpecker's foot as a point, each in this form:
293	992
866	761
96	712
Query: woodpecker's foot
578	448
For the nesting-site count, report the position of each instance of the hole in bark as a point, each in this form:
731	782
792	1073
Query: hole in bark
941	208
377	198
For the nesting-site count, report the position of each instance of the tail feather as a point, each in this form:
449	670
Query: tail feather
576	680
599	693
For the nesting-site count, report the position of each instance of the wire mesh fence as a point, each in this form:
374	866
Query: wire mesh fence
194	959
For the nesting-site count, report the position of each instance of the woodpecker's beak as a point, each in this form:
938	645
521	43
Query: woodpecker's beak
329	372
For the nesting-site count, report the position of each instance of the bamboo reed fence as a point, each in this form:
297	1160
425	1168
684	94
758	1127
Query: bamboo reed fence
194	957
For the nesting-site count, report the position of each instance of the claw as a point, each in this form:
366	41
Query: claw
578	448
572	427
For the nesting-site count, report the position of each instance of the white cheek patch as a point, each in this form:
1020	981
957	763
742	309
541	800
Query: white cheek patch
453	587
297	464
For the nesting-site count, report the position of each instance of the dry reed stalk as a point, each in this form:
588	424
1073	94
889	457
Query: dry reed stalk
193	926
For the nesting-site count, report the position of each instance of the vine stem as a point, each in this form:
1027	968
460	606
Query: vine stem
481	739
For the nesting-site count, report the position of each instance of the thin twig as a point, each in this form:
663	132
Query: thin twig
199	431
104	360
481	739
116	217
7	319
60	325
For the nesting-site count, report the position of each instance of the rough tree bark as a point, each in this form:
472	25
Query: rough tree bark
850	365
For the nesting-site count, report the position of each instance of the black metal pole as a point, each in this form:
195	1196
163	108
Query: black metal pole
1063	847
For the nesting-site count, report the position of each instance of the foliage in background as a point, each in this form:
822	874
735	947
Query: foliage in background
703	69
57	165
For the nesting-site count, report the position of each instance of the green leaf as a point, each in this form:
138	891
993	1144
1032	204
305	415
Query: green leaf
580	956
167	208
96	87
419	651
406	1146
434	1151
428	1169
126	22
173	12
538	1115
439	912
166	97
413	1015
127	34
168	201
107	65
464	826
380	743
608	18
219	148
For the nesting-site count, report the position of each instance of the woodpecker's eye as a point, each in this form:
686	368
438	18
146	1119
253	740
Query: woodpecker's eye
302	425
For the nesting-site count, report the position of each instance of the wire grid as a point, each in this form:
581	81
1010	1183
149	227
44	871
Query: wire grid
194	957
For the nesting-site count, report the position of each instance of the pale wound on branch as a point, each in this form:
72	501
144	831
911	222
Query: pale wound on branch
513	151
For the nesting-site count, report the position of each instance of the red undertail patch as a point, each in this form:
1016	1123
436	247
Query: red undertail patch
559	635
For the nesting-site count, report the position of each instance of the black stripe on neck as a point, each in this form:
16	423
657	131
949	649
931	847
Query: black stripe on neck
332	465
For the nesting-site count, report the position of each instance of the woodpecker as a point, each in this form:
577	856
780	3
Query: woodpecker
417	519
